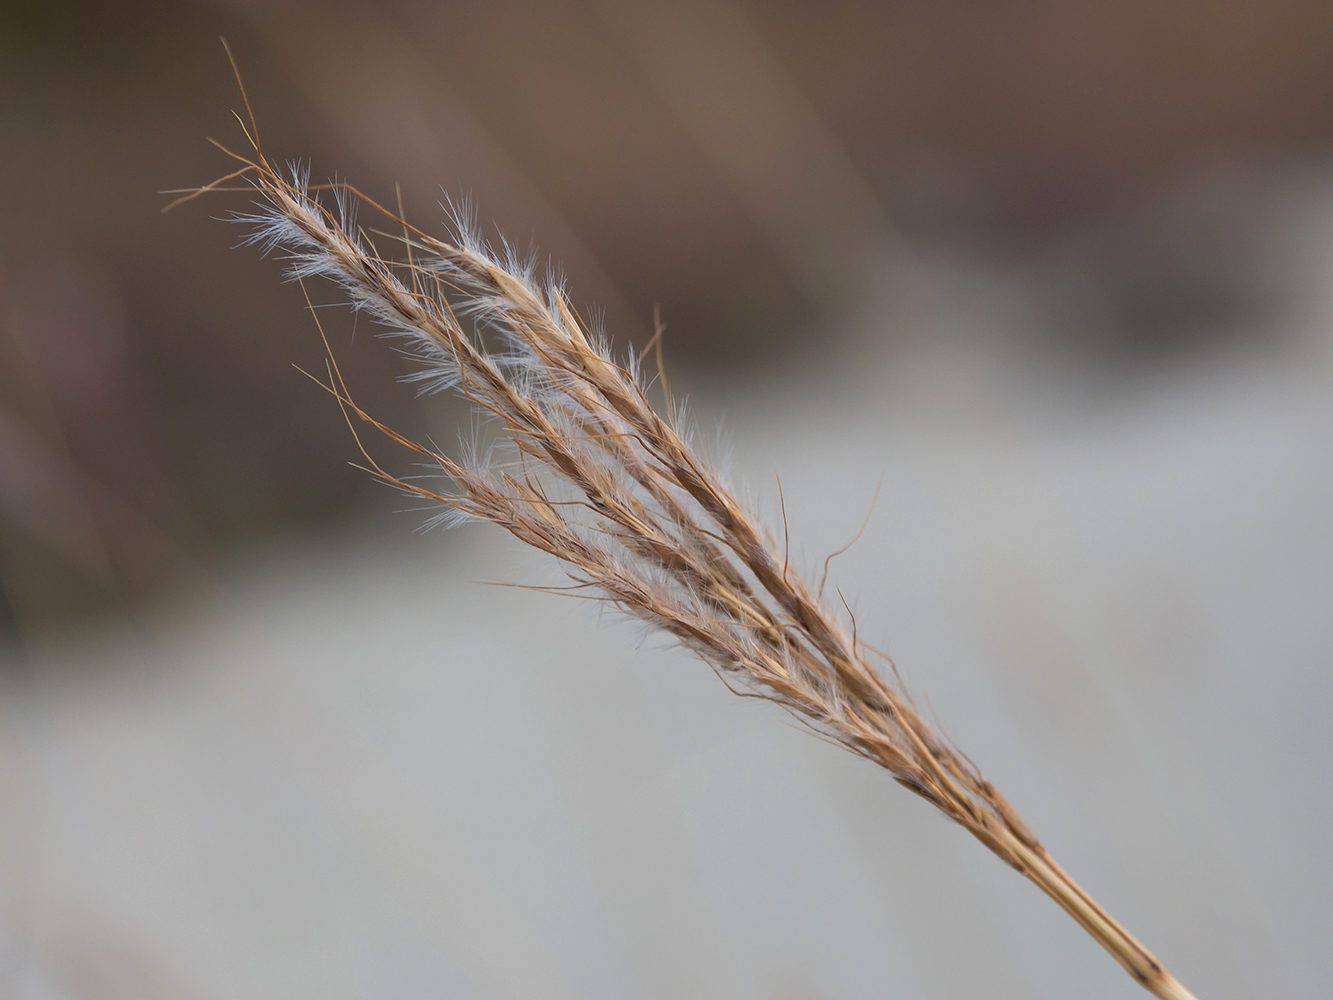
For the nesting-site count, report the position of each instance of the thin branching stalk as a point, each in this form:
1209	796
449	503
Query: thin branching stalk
591	473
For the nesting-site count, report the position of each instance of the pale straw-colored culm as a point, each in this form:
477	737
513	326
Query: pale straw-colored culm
592	473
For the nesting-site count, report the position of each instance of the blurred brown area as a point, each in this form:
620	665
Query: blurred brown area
737	165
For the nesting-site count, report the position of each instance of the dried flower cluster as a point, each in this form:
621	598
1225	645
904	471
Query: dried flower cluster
598	478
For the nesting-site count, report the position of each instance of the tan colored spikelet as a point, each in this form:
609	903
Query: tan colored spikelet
610	487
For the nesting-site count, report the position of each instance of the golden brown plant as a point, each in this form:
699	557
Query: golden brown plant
612	488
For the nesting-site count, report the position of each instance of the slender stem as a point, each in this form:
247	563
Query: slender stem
1137	960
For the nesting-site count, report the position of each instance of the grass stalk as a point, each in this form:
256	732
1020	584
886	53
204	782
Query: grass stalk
591	473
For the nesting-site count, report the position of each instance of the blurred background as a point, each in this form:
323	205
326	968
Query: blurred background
1057	273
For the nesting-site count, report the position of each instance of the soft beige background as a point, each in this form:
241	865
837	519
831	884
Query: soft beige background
1057	272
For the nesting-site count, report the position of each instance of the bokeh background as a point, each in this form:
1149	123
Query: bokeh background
1057	274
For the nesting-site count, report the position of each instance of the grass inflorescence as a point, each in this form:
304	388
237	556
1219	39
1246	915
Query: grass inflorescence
593	474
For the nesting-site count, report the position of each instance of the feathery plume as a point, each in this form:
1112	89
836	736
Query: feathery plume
595	476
